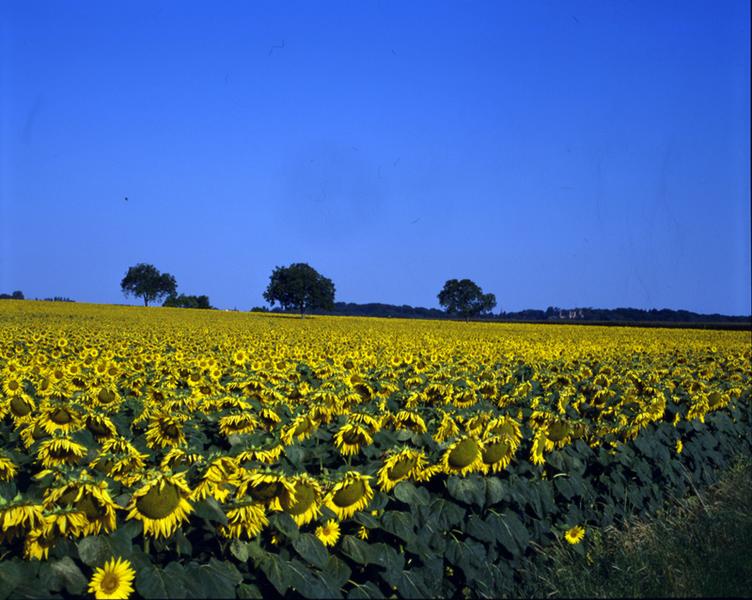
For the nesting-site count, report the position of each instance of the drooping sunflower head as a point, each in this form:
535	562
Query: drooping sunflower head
305	507
238	424
113	581
161	504
268	489
406	419
244	519
351	437
498	452
8	468
165	430
101	426
300	429
463	456
351	494
60	451
399	466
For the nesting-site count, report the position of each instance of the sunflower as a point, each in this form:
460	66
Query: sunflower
178	456
12	385
463	456
679	446
161	504
113	581
21	405
350	437
20	515
447	429
305	507
328	533
575	534
38	542
350	495
237	424
300	429
399	466
219	480
498	452
268	489
165	430
244	519
100	426
59	451
8	469
412	421
91	499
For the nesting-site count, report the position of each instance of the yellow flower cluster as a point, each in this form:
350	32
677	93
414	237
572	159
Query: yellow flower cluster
271	413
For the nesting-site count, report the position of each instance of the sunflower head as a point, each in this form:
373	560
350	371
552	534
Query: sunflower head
351	494
463	456
575	534
161	504
328	533
113	581
305	507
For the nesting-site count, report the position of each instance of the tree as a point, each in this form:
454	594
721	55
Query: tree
463	297
300	287
146	282
187	301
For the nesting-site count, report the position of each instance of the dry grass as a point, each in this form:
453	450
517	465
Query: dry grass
697	547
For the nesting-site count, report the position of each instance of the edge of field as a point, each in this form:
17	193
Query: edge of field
695	547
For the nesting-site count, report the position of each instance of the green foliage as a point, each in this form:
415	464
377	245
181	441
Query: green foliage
465	298
145	281
187	301
299	287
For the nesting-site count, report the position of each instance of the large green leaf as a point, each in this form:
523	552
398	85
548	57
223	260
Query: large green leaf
408	493
470	489
312	550
94	551
399	524
210	510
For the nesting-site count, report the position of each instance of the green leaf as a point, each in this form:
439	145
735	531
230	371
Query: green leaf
240	550
312	550
150	582
408	493
336	572
219	578
285	524
366	520
480	529
210	510
72	577
470	489
272	566
445	514
494	491
411	585
94	551
12	574
399	524
365	591
249	591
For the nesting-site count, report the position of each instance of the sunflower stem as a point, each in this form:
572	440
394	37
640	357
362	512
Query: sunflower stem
146	545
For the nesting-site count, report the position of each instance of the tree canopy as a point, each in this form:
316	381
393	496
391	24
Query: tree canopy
464	297
187	301
145	281
300	287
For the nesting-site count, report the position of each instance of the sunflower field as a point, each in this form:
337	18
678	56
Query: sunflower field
188	454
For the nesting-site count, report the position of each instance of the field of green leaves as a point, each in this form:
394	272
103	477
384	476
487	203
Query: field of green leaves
188	454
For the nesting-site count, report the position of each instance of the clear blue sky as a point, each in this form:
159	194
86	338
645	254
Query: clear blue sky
557	153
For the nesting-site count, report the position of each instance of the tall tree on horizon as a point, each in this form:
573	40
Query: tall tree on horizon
145	281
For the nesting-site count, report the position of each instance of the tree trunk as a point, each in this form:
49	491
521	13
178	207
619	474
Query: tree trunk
146	301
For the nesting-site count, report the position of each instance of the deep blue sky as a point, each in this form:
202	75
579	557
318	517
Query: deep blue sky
557	153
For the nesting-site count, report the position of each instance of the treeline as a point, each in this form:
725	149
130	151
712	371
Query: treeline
551	314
